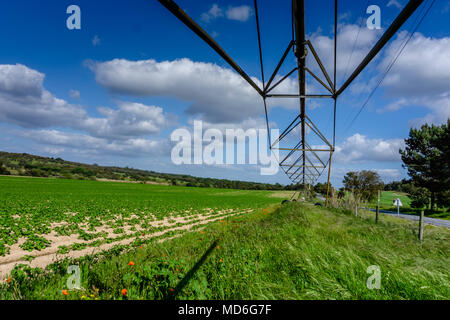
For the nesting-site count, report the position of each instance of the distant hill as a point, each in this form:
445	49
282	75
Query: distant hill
23	164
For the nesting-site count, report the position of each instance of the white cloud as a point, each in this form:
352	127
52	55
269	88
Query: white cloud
25	102
77	142
388	175
217	94
420	76
349	52
212	13
74	94
359	148
423	68
241	13
95	41
129	120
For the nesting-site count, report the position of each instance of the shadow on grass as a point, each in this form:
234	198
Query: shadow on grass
180	286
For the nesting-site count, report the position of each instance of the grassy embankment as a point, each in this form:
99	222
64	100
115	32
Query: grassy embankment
295	252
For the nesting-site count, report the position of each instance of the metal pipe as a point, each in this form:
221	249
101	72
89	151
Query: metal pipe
299	19
279	65
191	24
304	96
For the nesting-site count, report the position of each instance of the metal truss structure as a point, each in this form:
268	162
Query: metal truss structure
303	163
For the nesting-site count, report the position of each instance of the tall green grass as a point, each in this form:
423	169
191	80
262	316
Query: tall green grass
295	252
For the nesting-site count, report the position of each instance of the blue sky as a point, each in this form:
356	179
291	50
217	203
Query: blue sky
112	92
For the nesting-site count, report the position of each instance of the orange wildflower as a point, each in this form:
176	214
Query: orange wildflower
140	247
124	292
8	280
131	263
64	292
171	289
221	260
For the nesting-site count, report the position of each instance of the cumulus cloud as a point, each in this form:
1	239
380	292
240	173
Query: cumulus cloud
240	13
350	53
129	120
25	102
77	142
214	12
420	76
359	148
74	94
217	94
423	68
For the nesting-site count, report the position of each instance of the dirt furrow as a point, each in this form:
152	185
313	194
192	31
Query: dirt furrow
49	255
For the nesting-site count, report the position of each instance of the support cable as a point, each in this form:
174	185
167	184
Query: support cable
347	120
354	44
262	72
389	67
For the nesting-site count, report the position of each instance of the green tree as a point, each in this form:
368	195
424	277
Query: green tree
420	197
364	184
427	158
3	170
321	188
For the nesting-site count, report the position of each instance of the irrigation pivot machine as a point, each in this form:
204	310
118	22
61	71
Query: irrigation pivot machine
301	163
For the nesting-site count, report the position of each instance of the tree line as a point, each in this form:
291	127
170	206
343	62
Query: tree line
24	164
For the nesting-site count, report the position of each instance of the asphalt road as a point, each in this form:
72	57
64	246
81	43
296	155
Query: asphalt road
432	221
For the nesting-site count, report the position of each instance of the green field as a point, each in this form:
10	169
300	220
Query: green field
259	250
94	213
386	203
387	197
295	252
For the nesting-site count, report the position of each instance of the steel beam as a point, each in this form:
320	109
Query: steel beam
319	62
306	150
300	52
302	97
278	66
281	80
191	24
